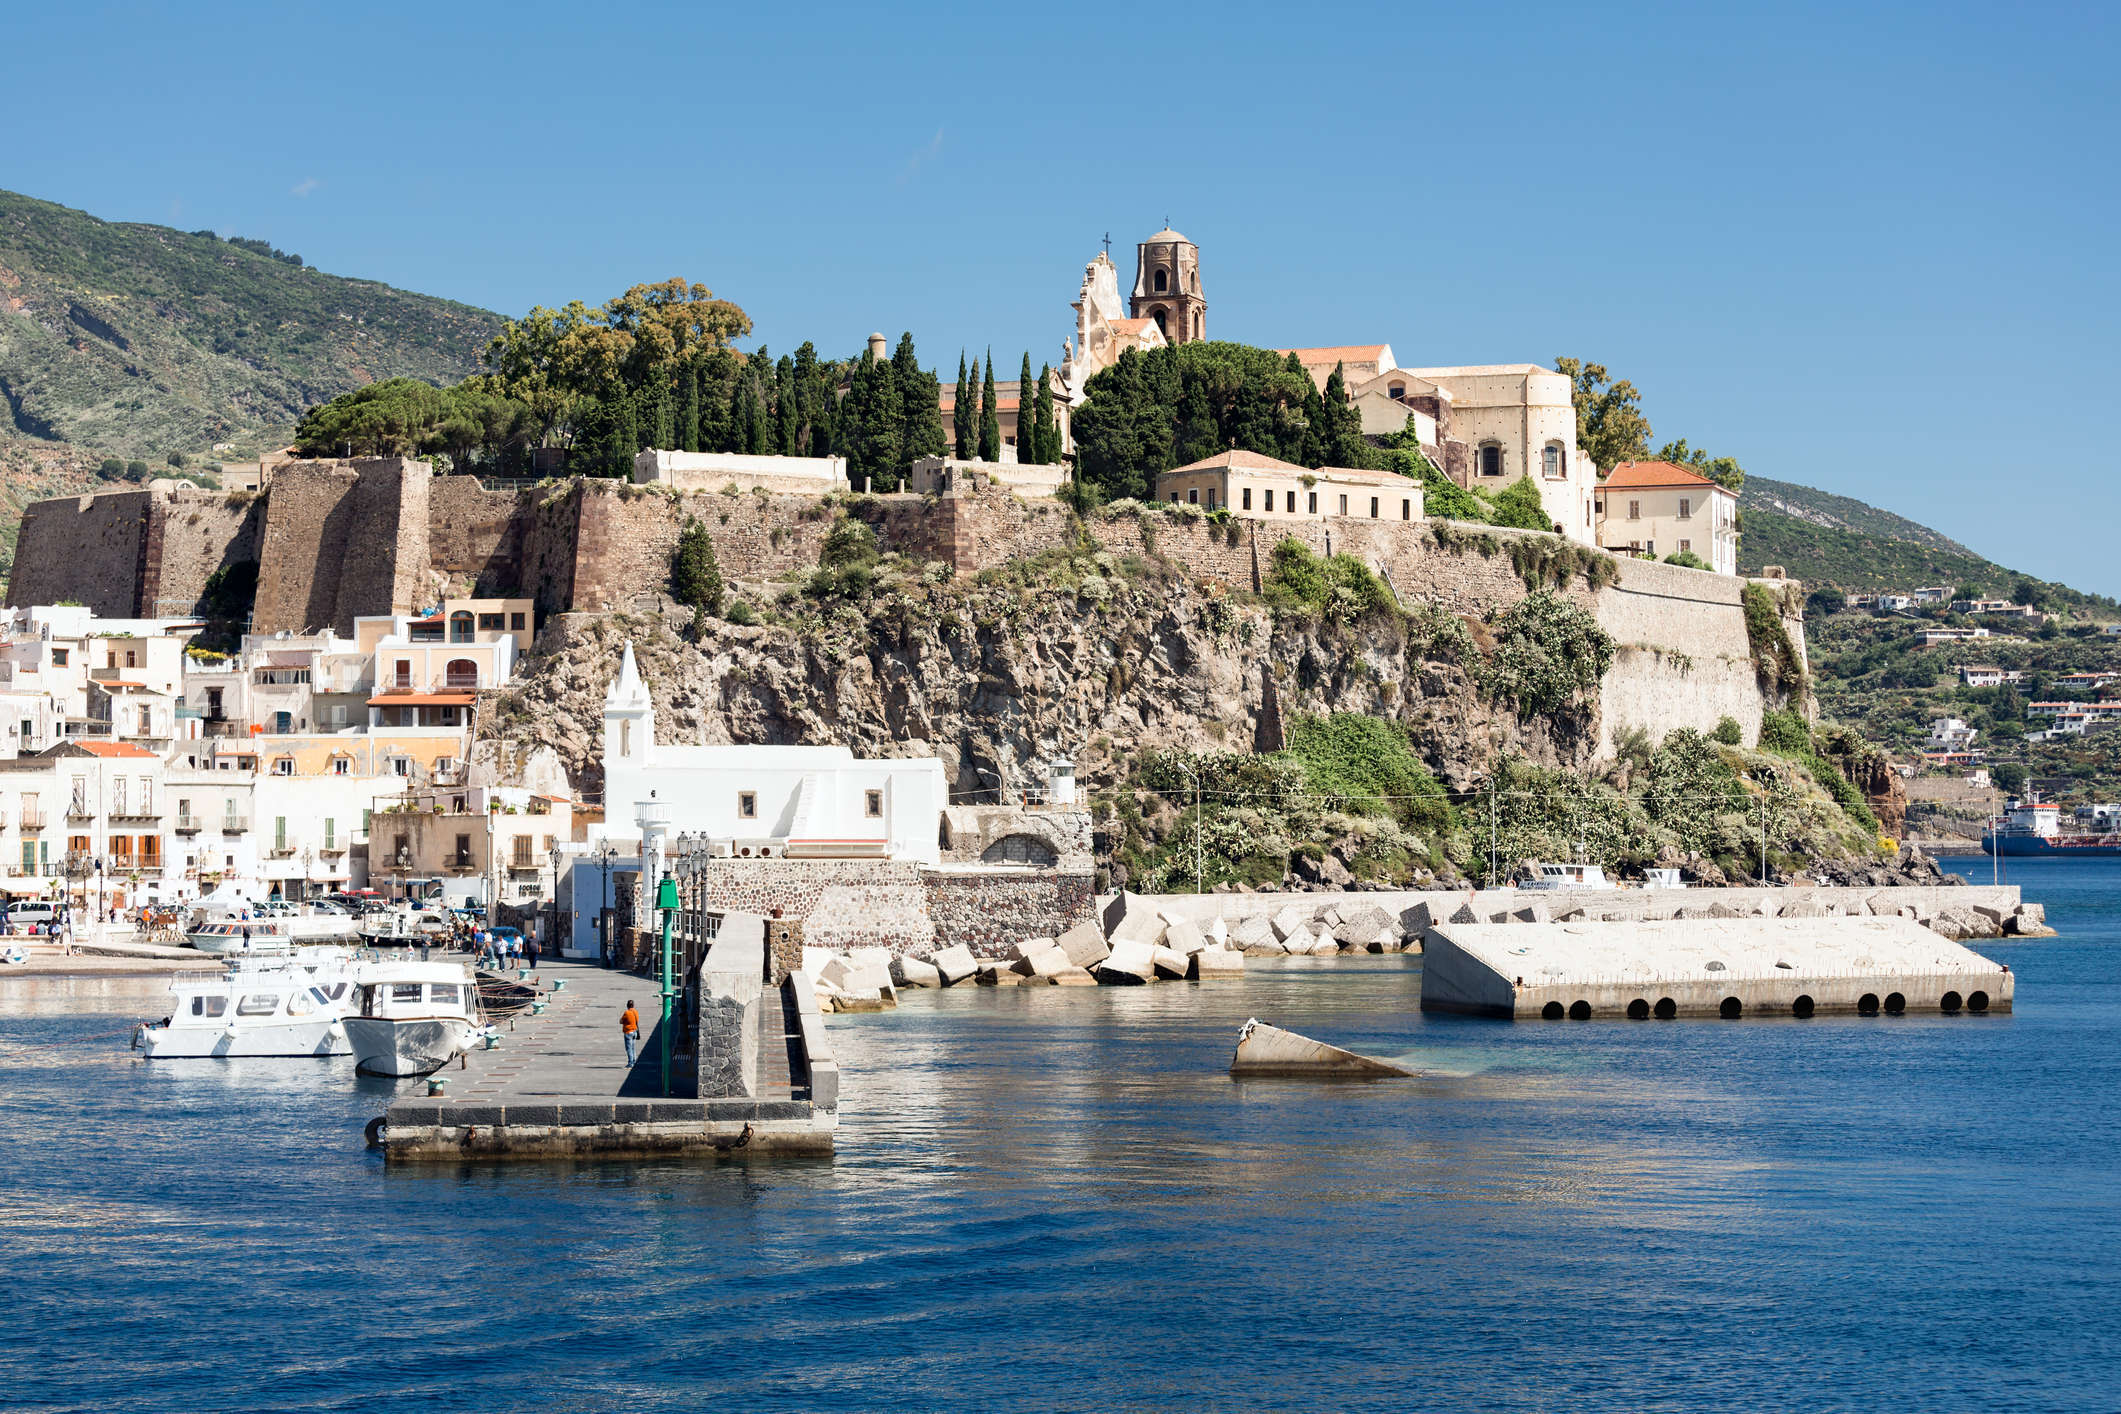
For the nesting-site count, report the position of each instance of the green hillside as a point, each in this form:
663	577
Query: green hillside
1824	539
142	340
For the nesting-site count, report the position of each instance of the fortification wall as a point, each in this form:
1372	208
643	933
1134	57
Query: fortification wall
476	537
191	533
342	539
83	549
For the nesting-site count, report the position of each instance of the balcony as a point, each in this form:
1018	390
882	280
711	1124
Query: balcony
135	815
189	824
80	812
234	824
281	850
31	820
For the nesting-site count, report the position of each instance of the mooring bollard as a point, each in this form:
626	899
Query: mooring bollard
493	1043
560	986
435	1086
537	1008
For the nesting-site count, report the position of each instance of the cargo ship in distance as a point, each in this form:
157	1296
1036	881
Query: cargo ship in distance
2035	826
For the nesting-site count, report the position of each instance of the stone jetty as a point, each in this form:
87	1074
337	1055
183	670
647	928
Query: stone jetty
1727	967
1264	1050
760	1079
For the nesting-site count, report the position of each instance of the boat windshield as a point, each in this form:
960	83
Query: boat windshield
259	1004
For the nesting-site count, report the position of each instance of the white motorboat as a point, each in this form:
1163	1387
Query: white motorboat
243	937
279	1006
403	928
410	1018
1565	876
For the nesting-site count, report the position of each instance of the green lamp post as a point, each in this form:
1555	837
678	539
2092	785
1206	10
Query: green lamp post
666	900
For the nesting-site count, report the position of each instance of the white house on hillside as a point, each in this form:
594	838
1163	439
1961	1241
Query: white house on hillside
815	802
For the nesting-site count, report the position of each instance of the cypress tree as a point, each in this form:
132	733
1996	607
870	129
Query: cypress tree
804	379
786	424
661	425
961	423
968	393
689	419
920	407
990	417
1048	439
695	574
1345	445
625	439
1317	428
1026	414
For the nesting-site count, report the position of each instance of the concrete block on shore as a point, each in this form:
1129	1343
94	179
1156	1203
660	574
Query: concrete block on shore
1324	945
1050	963
912	972
1183	938
1417	918
1804	908
1247	931
1169	962
1140	924
2030	921
955	963
1073	977
1026	947
1464	914
1361	922
1265	948
1084	944
1290	921
1131	963
1217	932
1210	964
1264	1050
1533	912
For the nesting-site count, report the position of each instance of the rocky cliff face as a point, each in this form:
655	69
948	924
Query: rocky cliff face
998	678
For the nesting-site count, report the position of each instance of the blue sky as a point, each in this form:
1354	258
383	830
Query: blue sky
1869	250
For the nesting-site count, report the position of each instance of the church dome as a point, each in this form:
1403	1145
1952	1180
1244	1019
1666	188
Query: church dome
1167	234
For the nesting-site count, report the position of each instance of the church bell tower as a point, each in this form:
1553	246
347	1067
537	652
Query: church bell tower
1167	287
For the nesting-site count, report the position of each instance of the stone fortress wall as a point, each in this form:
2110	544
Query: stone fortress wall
339	538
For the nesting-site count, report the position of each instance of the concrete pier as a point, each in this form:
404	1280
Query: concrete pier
559	1087
1727	967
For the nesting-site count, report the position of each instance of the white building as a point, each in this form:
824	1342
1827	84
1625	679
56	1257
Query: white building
1656	508
1951	734
796	802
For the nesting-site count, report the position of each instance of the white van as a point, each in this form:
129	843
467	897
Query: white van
22	915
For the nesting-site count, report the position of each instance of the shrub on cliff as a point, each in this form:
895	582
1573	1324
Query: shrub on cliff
1518	505
1363	765
1548	654
1340	589
1776	661
695	574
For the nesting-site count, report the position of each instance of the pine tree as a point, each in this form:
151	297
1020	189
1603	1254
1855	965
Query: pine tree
990	417
689	418
785	422
961	424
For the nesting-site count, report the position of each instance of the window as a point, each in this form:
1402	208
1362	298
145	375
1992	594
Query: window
1686	508
403	671
461	673
338	714
121	850
1406	509
492	622
117	796
1649	547
1344	505
132	659
208	1006
1211	498
331	833
1634	510
147	721
873	804
283	765
1398	390
401	849
446	994
228	813
213	702
150	851
1248	498
404	991
29	856
1491	460
1686	547
1550	459
519	852
515	622
626	738
342	766
1373	508
279	832
79	804
58	657
463	852
1192	495
1161	282
747	805
460	630
259	1004
1270	500
283	722
147	795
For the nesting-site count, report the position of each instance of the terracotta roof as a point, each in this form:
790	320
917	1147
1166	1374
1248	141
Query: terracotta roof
1130	326
422	699
113	748
1339	353
1364	476
1240	460
1649	474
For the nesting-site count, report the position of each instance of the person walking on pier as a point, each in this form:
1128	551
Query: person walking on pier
630	1029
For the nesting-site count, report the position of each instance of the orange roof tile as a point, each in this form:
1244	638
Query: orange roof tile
1364	476
1239	459
1649	474
113	748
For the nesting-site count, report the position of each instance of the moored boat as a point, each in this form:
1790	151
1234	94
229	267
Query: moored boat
410	1017
242	936
280	1006
2035	827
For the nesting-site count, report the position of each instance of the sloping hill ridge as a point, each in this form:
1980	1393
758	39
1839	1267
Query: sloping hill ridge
142	340
1824	539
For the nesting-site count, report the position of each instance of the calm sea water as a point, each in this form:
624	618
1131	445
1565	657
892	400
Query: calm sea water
1057	1199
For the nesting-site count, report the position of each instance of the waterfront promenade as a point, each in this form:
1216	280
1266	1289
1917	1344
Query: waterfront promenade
558	1085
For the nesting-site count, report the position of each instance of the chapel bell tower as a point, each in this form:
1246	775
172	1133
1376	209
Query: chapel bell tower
1167	287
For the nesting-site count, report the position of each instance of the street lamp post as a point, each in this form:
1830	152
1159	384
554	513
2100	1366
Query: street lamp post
605	857
1194	776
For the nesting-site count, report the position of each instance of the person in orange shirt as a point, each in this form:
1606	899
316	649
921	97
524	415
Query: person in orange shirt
630	1029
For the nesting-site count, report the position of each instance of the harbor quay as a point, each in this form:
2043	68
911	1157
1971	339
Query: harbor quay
759	1080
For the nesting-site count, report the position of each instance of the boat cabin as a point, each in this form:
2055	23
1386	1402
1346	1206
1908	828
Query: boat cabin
1566	876
412	991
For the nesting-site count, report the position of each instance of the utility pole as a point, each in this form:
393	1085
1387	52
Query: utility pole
1491	829
1763	834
